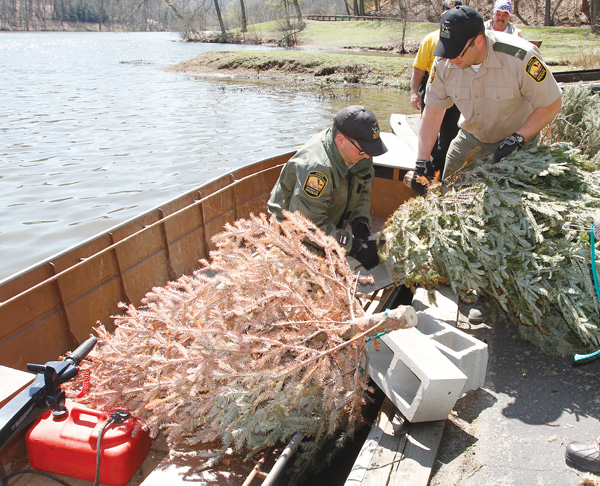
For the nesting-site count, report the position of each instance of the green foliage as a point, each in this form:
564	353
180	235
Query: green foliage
578	121
517	231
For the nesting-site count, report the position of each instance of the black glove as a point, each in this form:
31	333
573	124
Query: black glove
361	228
508	146
367	255
420	168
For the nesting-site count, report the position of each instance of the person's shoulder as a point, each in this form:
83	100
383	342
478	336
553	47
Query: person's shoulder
511	45
429	41
313	155
433	36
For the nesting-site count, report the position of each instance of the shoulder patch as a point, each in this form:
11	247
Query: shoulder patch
315	183
433	73
510	50
536	69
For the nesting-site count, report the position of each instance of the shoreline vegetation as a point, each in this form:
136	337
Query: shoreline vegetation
365	53
320	69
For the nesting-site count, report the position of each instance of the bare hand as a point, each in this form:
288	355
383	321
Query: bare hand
415	101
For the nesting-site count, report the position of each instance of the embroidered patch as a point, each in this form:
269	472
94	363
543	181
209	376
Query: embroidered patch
342	240
536	69
314	184
375	129
445	30
433	73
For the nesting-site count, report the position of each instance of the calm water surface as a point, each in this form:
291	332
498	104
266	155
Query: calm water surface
93	132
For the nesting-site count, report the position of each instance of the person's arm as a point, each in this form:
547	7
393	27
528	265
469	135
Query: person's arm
431	121
363	205
538	119
415	82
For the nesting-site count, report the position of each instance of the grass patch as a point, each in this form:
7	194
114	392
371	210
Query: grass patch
382	71
566	48
563	48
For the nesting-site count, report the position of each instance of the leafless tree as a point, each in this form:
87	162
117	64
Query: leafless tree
516	4
220	18
548	13
243	16
298	12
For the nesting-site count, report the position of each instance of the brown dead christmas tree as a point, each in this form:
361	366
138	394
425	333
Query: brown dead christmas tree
264	341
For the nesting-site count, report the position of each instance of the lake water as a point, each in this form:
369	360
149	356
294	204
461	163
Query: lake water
94	132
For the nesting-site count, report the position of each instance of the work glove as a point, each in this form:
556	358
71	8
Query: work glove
360	228
433	167
367	254
420	168
508	146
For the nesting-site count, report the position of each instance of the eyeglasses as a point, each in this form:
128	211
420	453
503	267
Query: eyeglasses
360	151
467	47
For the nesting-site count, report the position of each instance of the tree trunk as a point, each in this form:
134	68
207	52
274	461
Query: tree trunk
361	7
594	12
585	9
547	13
298	13
286	8
100	15
347	5
221	24
355	7
518	14
244	22
556	7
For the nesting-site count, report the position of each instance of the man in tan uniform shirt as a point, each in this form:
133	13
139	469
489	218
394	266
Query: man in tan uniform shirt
500	84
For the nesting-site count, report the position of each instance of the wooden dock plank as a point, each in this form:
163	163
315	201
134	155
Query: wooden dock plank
397	452
422	445
382	450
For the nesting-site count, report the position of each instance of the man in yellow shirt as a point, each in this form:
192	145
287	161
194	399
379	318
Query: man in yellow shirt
449	128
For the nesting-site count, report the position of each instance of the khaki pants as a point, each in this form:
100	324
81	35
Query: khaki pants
466	148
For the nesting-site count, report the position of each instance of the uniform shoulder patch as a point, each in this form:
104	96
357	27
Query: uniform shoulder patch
536	69
433	73
315	183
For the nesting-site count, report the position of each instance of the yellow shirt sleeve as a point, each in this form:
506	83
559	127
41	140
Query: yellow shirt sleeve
425	57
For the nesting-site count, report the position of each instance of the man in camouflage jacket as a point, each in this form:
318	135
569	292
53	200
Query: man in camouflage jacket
329	181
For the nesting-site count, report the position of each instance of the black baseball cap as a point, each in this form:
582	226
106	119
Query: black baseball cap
457	27
360	124
448	4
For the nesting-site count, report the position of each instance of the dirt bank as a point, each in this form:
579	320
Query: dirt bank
301	67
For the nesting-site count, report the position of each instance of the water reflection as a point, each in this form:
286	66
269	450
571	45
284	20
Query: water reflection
94	132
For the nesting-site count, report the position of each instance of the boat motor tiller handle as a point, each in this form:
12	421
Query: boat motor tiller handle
43	394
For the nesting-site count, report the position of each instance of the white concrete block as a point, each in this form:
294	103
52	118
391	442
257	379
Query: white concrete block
467	353
418	379
445	307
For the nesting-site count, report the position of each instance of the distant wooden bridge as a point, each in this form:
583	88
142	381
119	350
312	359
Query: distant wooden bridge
331	18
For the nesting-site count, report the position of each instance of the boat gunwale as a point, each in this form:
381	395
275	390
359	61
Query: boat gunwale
161	220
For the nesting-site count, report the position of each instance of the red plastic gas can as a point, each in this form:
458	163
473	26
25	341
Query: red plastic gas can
68	446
